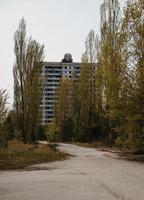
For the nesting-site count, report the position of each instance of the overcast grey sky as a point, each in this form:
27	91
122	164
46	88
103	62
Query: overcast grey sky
62	25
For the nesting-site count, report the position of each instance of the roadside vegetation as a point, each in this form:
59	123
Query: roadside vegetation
20	156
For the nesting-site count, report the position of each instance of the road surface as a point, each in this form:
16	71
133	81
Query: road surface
89	175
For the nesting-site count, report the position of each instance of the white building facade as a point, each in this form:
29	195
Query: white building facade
53	73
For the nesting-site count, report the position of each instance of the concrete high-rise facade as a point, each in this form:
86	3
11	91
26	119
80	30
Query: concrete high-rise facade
53	73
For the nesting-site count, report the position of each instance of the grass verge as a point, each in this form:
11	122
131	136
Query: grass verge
20	156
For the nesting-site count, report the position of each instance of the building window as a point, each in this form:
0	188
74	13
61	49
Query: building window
48	98
48	107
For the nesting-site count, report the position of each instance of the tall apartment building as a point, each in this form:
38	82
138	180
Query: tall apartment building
53	73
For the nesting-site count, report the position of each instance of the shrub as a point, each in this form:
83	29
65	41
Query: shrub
52	134
119	142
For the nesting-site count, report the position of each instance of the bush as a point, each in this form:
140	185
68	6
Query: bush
40	133
119	142
52	134
138	140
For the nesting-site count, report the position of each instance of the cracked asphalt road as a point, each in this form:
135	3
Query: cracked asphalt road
89	175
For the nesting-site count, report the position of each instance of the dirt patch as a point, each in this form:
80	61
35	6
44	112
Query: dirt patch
126	155
131	157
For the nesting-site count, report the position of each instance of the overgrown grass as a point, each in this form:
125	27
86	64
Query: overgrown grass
19	156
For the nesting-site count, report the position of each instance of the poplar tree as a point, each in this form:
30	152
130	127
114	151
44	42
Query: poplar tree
19	76
62	108
33	90
133	29
29	56
87	85
111	64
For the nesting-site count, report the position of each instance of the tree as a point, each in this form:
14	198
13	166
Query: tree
19	75
112	65
29	56
10	126
63	108
3	114
133	29
33	89
75	107
87	85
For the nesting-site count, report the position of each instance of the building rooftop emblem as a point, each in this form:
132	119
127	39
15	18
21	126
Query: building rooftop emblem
67	58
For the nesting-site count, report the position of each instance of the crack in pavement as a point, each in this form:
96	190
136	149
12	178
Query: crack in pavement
102	184
110	191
